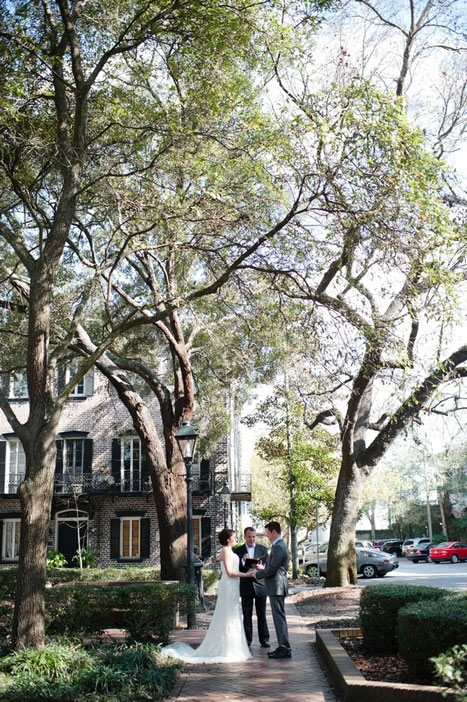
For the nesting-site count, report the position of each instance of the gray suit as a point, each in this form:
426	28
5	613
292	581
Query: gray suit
275	579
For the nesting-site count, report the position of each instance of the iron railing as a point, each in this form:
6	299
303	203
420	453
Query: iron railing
99	484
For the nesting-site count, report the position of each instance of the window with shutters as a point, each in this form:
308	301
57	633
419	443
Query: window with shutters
130	469
84	387
73	455
10	540
15	465
130	534
18	386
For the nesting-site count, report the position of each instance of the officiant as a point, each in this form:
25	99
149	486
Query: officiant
252	590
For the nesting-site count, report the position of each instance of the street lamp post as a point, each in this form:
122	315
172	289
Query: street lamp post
225	497
186	438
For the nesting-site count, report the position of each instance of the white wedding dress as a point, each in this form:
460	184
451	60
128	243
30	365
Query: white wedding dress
225	640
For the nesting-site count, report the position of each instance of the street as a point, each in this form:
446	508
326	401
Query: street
452	576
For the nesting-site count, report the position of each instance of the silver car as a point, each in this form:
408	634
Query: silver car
370	563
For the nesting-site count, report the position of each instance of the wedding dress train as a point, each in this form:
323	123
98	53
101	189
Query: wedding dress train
225	640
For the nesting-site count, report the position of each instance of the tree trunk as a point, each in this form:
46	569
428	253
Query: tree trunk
372	517
341	565
35	496
169	485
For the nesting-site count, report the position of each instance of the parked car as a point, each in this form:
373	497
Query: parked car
414	543
453	551
363	544
308	548
379	543
370	563
392	546
420	553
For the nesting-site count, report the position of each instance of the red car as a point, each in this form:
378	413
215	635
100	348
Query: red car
452	551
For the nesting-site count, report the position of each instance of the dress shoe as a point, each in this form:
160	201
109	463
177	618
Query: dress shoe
282	653
264	644
271	652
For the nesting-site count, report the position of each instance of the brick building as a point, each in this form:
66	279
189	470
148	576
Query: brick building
102	489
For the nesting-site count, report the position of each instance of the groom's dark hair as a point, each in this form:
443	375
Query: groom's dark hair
273	526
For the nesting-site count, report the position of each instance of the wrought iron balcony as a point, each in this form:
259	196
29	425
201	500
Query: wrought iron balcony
97	483
203	483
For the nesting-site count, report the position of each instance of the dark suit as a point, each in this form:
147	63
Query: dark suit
274	576
253	591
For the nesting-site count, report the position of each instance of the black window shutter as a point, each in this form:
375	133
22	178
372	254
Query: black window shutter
60	378
145	540
115	538
59	457
204	470
1	539
116	459
87	459
2	467
205	537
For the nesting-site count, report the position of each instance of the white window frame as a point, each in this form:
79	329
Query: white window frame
85	386
18	380
131	520
80	518
78	390
131	479
66	470
8	454
17	527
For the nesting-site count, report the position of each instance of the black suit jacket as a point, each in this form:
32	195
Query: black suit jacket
251	586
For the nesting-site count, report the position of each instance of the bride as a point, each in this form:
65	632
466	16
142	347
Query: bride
225	640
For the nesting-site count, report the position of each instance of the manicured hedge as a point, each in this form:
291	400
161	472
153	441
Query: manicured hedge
379	606
146	610
67	575
426	629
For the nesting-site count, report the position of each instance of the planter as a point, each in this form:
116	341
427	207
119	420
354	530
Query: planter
356	688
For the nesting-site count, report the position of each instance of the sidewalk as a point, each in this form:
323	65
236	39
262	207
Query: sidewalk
299	679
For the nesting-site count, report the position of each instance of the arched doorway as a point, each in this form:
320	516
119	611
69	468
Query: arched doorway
69	524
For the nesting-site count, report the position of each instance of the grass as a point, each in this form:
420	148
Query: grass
65	671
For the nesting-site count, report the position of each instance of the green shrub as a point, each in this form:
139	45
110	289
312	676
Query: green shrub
55	559
64	673
57	574
88	557
8	583
210	578
147	610
379	605
424	630
130	573
451	670
6	621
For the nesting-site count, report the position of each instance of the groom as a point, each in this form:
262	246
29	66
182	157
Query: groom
274	575
252	591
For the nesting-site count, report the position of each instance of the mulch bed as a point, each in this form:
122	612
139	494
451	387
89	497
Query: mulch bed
385	668
338	607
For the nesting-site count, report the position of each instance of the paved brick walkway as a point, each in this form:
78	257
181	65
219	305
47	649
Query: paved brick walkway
299	679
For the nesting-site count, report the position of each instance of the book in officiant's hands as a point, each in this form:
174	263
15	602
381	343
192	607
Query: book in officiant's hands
253	562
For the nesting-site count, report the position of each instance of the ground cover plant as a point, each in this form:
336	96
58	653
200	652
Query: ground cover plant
65	671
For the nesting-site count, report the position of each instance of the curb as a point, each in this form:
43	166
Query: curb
356	688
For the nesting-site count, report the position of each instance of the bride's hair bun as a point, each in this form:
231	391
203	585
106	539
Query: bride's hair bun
225	535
